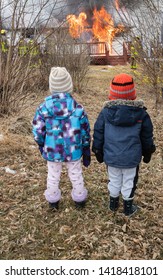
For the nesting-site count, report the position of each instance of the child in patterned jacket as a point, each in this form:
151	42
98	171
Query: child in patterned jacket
62	131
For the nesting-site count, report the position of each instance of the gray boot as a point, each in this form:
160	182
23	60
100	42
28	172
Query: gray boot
114	203
129	207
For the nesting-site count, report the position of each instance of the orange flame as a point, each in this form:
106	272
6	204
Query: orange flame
102	29
103	26
77	24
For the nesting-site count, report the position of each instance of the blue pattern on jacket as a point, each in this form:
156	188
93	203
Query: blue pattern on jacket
122	132
61	126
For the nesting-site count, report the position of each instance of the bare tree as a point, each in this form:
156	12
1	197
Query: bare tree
146	23
17	59
30	25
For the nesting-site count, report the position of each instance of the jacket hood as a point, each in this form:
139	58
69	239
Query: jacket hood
124	112
60	105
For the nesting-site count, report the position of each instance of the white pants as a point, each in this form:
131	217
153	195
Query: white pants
53	192
122	181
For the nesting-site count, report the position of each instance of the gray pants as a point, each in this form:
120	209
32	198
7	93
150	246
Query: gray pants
122	181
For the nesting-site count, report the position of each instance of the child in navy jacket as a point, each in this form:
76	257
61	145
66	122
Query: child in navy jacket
123	133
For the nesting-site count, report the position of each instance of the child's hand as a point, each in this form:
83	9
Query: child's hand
99	156
148	154
86	156
147	158
41	149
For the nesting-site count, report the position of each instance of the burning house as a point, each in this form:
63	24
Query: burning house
93	23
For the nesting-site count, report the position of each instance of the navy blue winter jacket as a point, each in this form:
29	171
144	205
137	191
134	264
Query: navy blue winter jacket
123	132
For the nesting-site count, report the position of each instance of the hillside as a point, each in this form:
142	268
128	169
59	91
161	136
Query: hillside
30	230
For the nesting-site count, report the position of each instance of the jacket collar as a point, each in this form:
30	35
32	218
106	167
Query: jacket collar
132	103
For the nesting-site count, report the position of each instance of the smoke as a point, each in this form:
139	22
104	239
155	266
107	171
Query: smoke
77	6
130	4
87	6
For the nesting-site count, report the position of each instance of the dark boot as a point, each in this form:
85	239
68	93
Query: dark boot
54	205
80	205
114	203
129	208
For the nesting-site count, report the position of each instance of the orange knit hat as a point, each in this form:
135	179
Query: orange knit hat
122	87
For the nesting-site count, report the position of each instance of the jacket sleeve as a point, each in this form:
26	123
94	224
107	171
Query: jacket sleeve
98	134
39	129
148	146
85	130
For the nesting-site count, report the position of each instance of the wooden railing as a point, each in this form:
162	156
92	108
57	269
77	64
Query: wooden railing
98	52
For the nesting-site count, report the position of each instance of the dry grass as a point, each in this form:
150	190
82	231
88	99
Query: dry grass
30	230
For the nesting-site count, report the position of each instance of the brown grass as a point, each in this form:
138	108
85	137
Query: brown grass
30	230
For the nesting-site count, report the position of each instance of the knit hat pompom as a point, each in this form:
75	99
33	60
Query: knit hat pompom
122	87
60	80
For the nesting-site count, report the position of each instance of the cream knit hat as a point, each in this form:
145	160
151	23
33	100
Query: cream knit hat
60	80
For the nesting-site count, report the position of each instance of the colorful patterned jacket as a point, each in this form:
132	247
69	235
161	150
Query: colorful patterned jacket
61	126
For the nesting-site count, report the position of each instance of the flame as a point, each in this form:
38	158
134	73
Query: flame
103	28
77	24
